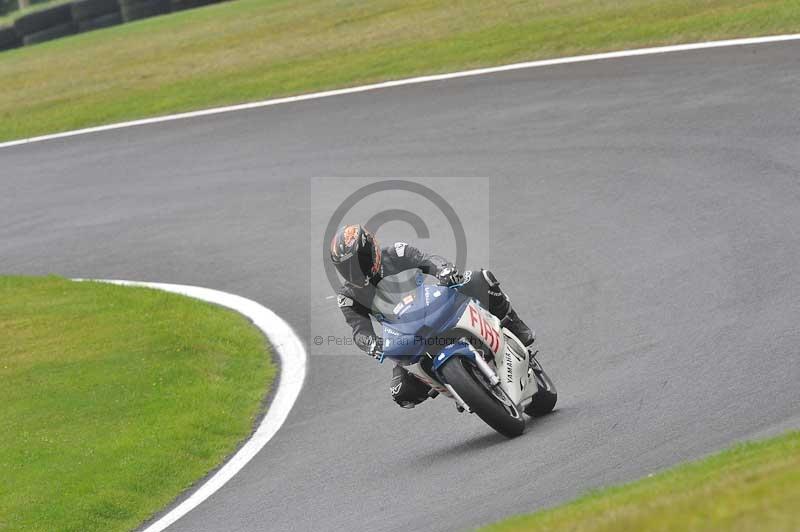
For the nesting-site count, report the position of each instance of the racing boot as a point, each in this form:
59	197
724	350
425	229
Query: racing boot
514	323
407	390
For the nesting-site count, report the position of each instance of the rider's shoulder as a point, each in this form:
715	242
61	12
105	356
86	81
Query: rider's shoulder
399	249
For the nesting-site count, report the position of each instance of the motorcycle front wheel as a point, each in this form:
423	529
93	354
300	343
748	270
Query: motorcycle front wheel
491	404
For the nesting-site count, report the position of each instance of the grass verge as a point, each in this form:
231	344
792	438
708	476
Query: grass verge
753	486
255	49
116	399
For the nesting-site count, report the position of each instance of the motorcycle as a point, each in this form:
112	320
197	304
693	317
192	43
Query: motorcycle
460	350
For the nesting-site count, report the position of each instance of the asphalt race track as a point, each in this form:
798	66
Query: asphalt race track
645	214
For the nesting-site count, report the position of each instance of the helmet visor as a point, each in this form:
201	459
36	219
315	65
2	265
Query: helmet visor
352	271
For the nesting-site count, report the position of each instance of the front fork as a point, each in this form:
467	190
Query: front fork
464	348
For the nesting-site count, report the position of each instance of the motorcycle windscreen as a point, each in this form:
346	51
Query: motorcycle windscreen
414	308
396	295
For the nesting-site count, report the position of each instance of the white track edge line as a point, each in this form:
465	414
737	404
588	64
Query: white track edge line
292	373
412	81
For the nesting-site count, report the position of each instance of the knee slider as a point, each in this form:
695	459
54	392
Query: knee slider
498	301
490	279
493	283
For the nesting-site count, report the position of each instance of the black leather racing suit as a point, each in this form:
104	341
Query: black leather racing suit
355	302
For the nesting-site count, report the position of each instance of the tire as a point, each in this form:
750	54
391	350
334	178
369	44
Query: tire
112	19
139	10
9	38
545	399
39	21
62	30
92	9
460	374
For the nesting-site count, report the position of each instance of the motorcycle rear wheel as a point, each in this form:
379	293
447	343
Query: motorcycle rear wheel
463	377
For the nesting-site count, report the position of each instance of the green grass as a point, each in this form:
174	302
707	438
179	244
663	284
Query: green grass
254	49
115	399
753	486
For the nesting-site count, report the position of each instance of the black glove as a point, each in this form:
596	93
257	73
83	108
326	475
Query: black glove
375	348
449	276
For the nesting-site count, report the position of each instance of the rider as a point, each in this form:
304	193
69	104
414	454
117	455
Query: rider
357	256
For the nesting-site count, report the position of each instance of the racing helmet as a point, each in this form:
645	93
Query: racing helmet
356	254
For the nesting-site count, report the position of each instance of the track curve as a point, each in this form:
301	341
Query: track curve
654	201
